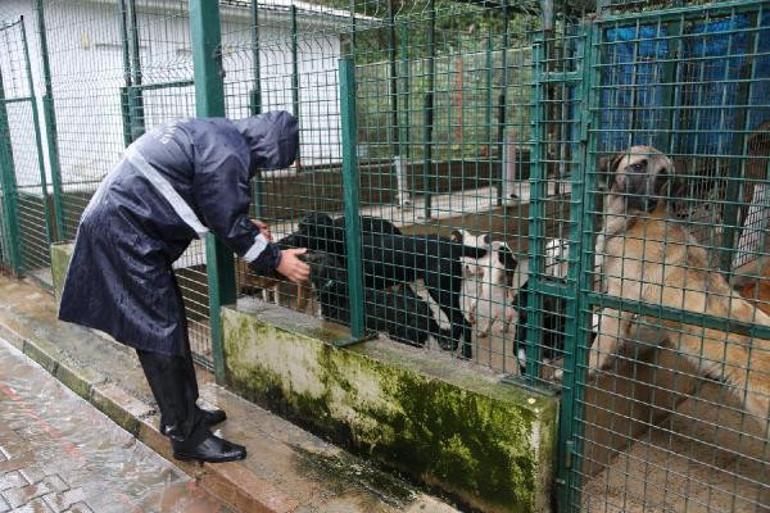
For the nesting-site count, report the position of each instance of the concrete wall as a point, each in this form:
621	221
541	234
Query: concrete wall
489	444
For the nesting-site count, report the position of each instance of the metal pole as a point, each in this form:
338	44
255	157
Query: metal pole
125	91
255	103
295	72
351	196
502	100
580	276
38	140
428	111
10	193
49	116
392	56
490	93
537	179
405	138
136	101
206	39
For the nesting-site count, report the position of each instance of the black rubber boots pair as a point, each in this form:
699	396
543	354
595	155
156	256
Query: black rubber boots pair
175	387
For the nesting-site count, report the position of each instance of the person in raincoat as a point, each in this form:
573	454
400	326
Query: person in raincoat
175	183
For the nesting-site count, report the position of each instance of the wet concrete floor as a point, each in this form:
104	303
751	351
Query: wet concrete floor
59	454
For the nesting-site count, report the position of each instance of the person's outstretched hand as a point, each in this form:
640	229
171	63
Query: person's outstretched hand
292	267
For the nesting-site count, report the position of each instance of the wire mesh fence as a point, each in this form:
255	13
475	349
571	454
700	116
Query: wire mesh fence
459	190
675	403
162	90
25	184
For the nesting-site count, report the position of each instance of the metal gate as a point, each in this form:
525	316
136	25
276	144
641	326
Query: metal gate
26	198
673	420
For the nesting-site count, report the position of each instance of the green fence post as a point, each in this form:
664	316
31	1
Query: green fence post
135	99
350	193
255	99
392	56
428	110
49	118
404	138
501	105
38	140
125	91
581	274
294	62
206	38
489	86
536	217
10	192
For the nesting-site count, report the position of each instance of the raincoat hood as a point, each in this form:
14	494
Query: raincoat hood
273	139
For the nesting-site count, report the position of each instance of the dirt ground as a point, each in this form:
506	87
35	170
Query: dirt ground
704	458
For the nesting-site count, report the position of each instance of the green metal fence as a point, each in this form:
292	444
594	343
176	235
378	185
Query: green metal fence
27	200
479	124
678	420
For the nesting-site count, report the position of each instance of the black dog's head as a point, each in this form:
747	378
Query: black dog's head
637	179
326	270
315	231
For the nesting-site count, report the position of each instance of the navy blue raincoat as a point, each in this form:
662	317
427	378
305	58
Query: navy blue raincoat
174	184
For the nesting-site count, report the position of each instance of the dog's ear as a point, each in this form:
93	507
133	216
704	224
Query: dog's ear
315	219
456	236
608	165
506	258
669	183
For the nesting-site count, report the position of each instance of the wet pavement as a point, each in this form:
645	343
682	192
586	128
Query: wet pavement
59	454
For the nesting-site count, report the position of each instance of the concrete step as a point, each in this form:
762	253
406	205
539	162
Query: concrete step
287	470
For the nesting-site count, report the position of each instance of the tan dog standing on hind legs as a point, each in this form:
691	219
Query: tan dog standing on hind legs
645	256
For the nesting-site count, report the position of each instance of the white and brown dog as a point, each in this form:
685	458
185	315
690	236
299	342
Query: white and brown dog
486	282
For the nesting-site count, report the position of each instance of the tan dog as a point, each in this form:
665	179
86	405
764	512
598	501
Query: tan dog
275	289
646	257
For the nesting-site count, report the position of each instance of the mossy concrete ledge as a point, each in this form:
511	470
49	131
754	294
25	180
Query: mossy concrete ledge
488	444
61	254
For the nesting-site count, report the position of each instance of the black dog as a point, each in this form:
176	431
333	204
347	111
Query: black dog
402	314
333	231
390	258
554	323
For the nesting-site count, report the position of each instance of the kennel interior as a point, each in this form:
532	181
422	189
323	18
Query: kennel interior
433	117
493	118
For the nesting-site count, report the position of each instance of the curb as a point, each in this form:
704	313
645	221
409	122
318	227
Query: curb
138	418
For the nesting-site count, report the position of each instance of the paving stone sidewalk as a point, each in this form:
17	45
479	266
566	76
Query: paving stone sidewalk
59	454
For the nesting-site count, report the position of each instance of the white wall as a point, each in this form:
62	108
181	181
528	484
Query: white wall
87	67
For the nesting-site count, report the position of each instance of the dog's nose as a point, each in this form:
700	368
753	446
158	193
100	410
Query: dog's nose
642	203
650	204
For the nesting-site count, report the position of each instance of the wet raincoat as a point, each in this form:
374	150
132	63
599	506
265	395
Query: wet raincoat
174	184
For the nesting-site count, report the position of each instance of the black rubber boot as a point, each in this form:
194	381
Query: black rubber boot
207	417
206	447
213	417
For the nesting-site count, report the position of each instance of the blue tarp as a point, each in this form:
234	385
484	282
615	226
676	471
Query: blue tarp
703	98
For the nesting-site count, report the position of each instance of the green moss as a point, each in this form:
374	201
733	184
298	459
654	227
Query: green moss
61	254
491	450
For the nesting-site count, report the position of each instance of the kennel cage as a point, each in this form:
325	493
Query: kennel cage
490	117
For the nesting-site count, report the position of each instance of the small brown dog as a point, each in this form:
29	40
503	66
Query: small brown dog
647	257
274	287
